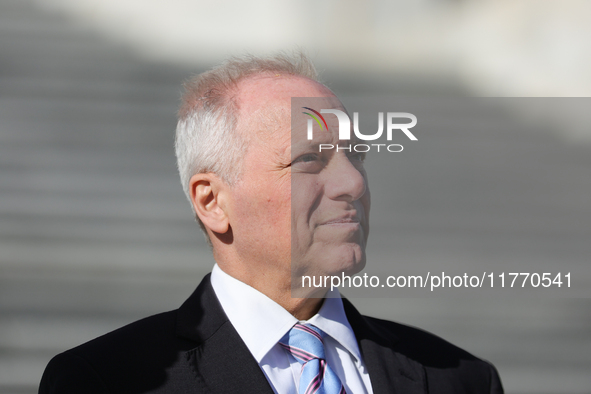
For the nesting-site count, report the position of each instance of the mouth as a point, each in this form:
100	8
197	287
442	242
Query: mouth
345	220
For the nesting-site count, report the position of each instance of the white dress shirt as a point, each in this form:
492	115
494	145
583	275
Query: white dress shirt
261	323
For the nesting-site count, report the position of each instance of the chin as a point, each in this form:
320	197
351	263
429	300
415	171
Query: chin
348	259
353	261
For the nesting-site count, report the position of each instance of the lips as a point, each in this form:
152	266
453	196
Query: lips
350	218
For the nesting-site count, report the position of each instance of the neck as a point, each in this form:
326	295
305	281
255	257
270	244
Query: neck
302	308
279	289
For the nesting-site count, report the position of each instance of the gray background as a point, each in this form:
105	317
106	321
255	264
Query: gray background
96	232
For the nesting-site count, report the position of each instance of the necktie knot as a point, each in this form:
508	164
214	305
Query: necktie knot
305	342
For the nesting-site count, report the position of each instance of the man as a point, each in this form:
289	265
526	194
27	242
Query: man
273	208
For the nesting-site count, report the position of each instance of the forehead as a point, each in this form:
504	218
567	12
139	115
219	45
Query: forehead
272	89
312	120
264	107
265	95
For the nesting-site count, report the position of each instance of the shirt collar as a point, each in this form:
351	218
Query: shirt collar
252	313
331	319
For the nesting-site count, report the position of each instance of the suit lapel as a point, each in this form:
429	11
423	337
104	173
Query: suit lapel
389	371
221	362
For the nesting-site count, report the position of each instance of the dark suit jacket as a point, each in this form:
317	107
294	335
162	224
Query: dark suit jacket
195	349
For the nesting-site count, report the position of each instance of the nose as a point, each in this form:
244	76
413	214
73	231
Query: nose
345	180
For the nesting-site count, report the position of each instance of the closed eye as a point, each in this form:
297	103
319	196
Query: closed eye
311	163
306	158
357	156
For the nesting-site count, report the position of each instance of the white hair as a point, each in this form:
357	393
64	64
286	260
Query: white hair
206	138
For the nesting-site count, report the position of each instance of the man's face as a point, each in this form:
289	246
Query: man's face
330	197
296	210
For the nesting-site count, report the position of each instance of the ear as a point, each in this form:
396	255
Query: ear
207	196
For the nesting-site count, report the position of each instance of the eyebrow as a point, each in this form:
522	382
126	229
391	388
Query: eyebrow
310	145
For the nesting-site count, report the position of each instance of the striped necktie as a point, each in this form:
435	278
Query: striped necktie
305	342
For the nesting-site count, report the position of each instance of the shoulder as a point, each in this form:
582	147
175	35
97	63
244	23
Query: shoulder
149	355
446	367
131	340
445	364
138	353
418	343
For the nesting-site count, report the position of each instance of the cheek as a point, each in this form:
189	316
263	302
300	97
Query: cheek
274	208
305	199
366	203
263	224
